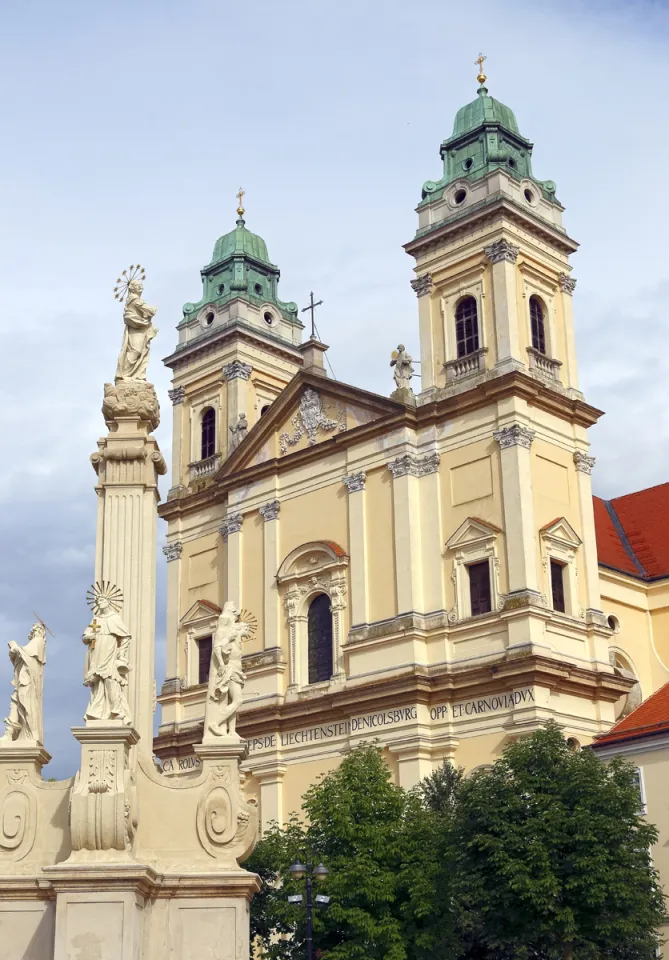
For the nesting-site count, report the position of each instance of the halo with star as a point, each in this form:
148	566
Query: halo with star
134	272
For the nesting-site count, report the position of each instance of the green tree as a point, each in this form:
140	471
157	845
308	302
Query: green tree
553	857
380	850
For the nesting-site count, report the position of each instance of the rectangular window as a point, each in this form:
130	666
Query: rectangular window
557	585
203	659
479	587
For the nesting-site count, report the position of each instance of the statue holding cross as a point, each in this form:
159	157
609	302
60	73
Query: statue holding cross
108	657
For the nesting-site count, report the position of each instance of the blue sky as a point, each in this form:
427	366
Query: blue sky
127	130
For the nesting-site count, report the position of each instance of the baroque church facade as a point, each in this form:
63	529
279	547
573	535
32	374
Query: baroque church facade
428	571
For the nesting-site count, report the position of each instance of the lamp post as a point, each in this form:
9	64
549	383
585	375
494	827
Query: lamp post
299	871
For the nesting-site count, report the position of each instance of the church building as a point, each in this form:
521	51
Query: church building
426	570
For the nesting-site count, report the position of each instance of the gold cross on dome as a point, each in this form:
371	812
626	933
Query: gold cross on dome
240	197
479	62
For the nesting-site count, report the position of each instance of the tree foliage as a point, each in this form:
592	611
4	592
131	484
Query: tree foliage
545	855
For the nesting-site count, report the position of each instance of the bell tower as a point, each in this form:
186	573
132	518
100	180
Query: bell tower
493	275
239	345
494	289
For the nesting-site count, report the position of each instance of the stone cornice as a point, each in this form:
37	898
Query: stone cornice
485	213
513	384
213	342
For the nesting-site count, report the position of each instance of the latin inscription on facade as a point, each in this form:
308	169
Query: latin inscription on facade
328	731
473	708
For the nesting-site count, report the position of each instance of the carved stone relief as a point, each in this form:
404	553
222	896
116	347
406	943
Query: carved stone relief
309	419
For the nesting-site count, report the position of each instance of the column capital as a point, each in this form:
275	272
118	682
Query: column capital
355	481
236	370
270	511
501	250
177	395
513	436
583	462
567	284
173	550
422	286
408	464
231	524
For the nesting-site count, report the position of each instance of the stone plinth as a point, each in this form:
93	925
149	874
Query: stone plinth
103	806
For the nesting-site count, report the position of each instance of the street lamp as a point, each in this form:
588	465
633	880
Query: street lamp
299	871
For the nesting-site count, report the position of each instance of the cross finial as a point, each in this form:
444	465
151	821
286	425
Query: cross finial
312	307
479	62
240	208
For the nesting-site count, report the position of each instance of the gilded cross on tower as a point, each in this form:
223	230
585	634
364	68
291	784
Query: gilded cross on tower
312	307
240	197
479	62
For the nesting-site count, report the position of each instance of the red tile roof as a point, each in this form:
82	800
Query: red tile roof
633	532
648	720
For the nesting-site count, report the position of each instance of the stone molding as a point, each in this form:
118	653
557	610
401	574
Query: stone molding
264	658
231	524
583	462
408	464
134	399
501	250
422	286
355	481
567	284
270	511
173	551
177	395
513	436
236	370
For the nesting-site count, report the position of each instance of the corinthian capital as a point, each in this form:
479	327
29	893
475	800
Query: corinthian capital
583	462
421	286
567	284
270	511
231	524
355	481
236	370
177	395
514	436
173	550
501	250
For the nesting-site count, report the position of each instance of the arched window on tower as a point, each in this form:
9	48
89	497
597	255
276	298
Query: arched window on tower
538	324
319	630
208	433
466	327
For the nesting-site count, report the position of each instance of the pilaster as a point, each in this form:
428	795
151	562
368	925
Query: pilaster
502	256
172	552
231	531
414	760
271	559
270	777
422	287
128	463
567	286
177	396
406	471
236	374
584	465
521	551
357	537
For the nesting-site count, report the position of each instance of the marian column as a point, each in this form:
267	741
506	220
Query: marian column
128	463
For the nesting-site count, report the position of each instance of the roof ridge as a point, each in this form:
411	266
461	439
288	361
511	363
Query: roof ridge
620	530
634	493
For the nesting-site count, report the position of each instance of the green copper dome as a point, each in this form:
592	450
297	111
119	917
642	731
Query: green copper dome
240	242
484	109
485	139
240	268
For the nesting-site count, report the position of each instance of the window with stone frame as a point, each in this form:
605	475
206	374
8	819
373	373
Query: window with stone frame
208	434
203	659
557	585
466	327
475	571
538	324
559	548
319	639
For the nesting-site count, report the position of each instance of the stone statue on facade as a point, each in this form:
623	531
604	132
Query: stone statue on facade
403	364
139	330
107	659
226	677
239	431
25	708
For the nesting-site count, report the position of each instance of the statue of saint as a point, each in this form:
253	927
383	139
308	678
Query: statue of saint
403	371
239	431
107	659
226	678
139	332
25	707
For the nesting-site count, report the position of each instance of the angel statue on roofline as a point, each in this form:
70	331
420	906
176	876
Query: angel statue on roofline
139	330
25	706
108	655
403	372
